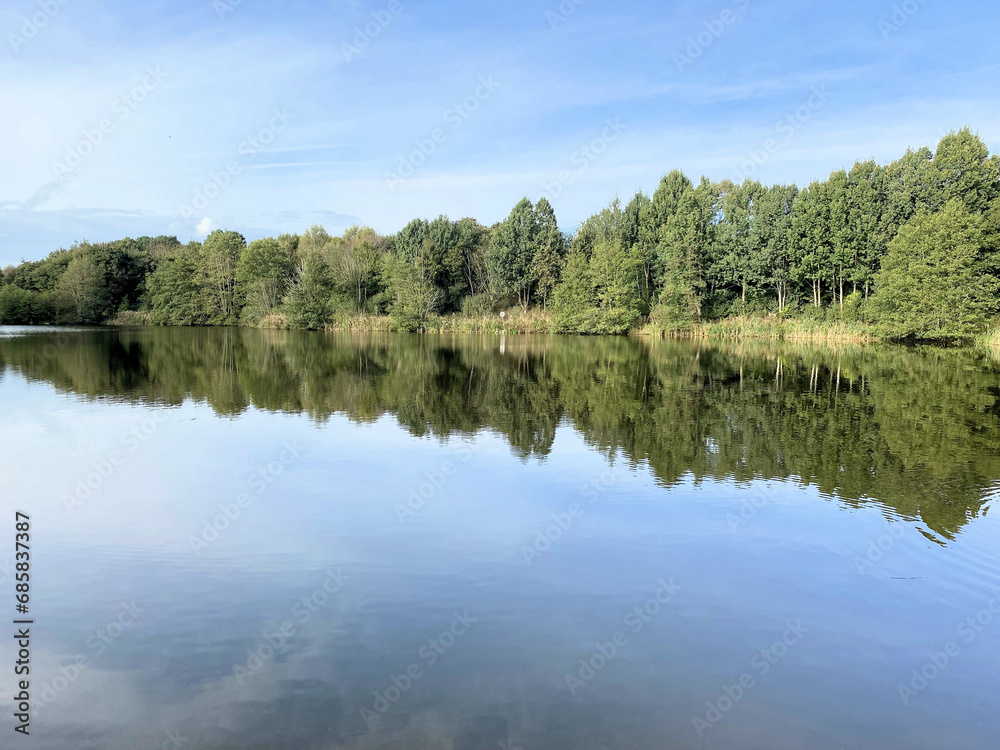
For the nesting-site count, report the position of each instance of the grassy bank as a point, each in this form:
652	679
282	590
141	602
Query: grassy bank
516	321
771	328
991	338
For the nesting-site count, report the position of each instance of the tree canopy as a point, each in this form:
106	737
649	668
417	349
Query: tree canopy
911	247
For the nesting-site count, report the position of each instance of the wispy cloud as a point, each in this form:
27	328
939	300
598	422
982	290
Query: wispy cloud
354	118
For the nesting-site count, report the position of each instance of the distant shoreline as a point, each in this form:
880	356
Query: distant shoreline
538	322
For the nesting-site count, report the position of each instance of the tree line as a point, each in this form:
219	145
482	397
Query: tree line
911	247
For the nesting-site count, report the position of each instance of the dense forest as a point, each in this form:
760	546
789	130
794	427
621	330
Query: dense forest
909	249
912	429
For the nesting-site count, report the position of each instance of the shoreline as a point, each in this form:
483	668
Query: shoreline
537	322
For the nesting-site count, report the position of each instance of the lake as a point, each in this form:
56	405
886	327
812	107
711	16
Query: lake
261	539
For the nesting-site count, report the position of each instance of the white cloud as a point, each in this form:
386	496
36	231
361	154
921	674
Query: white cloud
204	226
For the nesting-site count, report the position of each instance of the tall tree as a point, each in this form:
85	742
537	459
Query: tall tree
811	244
682	254
911	187
176	289
668	196
932	283
641	235
310	303
866	237
739	260
263	274
82	290
966	171
511	249
473	239
774	225
410	239
414	298
612	269
842	256
549	250
220	255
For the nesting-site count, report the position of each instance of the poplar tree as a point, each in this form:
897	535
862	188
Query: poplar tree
933	283
510	253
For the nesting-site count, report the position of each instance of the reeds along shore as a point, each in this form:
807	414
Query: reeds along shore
518	322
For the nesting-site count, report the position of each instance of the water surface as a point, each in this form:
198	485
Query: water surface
479	542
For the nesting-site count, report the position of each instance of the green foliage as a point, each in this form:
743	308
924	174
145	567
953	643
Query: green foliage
220	256
575	299
410	239
356	265
478	305
667	198
25	307
966	171
811	241
679	303
599	294
175	290
549	251
123	266
683	257
510	254
414	298
641	233
263	275
42	275
932	284
81	290
440	263
311	302
473	239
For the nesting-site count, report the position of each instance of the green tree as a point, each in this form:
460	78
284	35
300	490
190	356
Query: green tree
641	234
774	225
739	257
410	239
81	290
220	255
575	299
667	197
866	237
414	298
176	290
912	185
23	307
613	270
932	283
549	251
440	262
310	303
263	275
473	240
511	250
355	262
811	244
966	171
842	255
315	239
682	252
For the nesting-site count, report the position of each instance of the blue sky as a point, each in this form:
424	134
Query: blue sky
118	114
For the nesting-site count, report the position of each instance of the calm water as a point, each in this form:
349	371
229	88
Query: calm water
247	539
